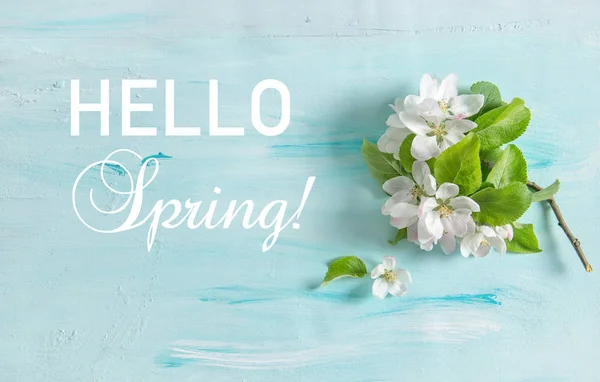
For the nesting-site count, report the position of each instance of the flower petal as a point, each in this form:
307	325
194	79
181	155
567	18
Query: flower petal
404	210
391	140
415	123
397	289
427	246
470	244
380	288
424	148
429	185
423	234
464	202
420	170
499	244
428	87
487	231
447	191
457	224
404	275
394	121
448	88
398	105
377	271
460	126
402	196
466	105
452	138
389	262
482	251
427	205
434	225
403	222
448	243
411	104
412	233
399	183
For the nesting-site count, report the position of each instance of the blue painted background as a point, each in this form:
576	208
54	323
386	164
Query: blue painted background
209	305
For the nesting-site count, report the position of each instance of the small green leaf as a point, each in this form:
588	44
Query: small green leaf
503	124
524	239
382	166
349	266
492	98
488	160
511	167
459	164
547	192
401	235
406	157
503	205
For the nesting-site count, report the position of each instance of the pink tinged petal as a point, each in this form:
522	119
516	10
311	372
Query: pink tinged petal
399	183
424	148
460	126
470	226
449	87
470	244
412	233
429	87
394	121
404	210
415	123
403	222
404	275
447	191
427	205
377	271
380	288
466	105
429	185
397	289
448	243
499	244
420	170
509	228
389	262
434	225
464	202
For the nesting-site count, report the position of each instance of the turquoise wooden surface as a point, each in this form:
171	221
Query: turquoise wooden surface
205	305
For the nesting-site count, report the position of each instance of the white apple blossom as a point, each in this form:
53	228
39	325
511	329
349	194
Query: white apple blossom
443	99
445	216
479	242
405	194
389	279
393	137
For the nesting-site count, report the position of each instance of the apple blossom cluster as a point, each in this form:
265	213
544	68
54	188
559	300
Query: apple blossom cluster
452	177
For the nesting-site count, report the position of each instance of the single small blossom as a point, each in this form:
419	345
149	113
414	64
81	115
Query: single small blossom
389	279
445	216
393	137
505	231
443	99
479	242
434	133
406	193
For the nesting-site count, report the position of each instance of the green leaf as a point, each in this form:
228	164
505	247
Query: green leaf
492	98
503	124
406	158
501	206
511	167
349	266
459	164
524	239
488	160
547	192
382	166
401	235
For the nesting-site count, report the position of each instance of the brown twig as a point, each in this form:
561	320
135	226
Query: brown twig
564	226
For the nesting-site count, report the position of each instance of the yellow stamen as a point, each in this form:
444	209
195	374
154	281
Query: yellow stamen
390	276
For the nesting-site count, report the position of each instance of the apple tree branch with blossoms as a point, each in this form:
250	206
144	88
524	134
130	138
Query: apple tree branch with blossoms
453	178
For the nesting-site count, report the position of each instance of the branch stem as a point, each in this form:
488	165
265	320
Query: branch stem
561	222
